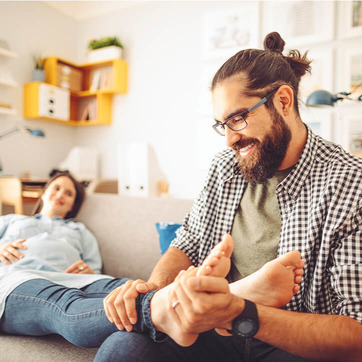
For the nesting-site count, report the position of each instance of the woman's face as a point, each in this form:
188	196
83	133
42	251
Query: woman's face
58	198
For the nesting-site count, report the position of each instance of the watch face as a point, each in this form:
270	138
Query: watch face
247	327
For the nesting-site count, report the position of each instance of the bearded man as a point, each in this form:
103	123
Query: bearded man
277	188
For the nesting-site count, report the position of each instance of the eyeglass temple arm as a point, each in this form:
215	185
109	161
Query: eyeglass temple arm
262	101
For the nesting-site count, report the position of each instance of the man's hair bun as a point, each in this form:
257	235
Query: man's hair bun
274	42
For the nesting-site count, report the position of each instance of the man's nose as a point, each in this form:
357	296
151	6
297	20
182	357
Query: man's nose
231	136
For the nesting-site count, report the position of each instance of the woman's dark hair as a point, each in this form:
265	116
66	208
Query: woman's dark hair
79	197
266	69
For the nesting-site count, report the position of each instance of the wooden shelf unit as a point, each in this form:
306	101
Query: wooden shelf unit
112	79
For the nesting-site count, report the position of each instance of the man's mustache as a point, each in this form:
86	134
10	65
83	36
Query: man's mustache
243	143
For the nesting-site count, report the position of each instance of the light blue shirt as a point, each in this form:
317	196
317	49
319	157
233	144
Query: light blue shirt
52	246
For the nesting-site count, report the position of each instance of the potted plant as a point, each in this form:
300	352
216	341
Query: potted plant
38	73
104	48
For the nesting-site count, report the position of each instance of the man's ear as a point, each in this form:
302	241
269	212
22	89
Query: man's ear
285	99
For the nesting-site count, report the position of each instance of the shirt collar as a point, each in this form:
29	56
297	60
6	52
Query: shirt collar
40	216
294	182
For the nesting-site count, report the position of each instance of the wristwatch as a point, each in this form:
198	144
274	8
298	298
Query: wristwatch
247	323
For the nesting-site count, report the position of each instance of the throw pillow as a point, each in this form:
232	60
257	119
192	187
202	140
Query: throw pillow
166	233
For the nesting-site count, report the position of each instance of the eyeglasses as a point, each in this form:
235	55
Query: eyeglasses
238	121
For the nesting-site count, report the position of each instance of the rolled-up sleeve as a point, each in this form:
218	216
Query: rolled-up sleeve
346	273
188	235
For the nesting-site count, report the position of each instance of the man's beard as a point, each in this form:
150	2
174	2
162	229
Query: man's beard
268	154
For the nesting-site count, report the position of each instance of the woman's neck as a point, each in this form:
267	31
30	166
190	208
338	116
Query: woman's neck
50	213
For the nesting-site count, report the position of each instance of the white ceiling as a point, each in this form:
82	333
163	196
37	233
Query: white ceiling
80	10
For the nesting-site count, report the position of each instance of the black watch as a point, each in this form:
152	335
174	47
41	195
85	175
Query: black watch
247	323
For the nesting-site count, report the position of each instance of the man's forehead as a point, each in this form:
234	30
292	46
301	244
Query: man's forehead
228	96
233	86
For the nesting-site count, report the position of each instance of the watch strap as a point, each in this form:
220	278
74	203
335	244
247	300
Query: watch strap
250	312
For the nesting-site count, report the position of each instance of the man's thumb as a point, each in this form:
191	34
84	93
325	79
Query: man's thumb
142	288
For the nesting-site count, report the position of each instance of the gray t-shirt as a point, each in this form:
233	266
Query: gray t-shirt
256	227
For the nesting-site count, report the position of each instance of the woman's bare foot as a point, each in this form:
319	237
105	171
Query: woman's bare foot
272	285
218	262
163	321
275	283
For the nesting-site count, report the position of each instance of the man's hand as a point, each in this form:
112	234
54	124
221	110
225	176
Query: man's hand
120	304
79	267
9	252
205	302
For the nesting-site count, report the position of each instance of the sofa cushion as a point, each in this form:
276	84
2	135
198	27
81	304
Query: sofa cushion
42	349
125	229
128	241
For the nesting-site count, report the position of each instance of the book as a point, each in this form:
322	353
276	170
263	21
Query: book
104	80
85	114
92	107
95	81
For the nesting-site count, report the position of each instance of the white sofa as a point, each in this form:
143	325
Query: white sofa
128	239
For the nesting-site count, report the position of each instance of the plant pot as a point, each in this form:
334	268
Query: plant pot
105	53
38	75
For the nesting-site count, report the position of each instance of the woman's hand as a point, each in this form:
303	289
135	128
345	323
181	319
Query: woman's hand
9	252
79	267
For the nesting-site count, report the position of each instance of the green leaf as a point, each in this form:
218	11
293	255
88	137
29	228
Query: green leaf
104	42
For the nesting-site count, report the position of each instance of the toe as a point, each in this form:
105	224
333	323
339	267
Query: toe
292	258
296	289
227	245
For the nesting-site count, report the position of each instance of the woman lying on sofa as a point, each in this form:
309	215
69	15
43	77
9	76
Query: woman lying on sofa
50	266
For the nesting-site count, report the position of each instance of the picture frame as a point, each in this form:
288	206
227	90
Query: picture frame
299	22
349	128
350	66
350	19
229	31
321	76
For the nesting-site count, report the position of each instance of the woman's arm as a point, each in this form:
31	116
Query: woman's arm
90	250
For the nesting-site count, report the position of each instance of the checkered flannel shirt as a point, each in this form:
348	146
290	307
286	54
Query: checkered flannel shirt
321	216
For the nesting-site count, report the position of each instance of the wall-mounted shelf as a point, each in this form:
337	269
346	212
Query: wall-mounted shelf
8	111
7	53
6	80
91	87
8	83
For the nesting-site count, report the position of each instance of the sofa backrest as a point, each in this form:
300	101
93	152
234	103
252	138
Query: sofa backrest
126	232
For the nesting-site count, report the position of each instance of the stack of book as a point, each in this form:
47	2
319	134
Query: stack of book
101	79
90	111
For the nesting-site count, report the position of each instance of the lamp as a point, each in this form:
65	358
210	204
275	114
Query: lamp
321	98
33	132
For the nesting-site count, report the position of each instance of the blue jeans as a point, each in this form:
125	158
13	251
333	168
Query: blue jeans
39	307
209	347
